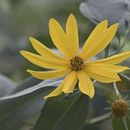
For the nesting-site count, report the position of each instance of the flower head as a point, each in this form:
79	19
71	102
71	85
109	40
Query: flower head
74	65
120	108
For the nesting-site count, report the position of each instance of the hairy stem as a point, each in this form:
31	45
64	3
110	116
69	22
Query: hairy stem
100	118
116	89
126	127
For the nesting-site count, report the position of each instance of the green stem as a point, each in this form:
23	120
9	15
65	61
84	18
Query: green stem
116	89
126	127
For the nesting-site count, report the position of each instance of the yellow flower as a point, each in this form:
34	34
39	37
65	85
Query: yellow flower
75	65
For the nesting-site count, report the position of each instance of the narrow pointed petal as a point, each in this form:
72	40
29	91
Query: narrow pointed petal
103	40
45	52
41	61
94	36
72	35
85	84
49	74
71	80
104	72
114	59
56	92
59	38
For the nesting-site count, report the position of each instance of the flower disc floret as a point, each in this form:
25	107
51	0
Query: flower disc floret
77	63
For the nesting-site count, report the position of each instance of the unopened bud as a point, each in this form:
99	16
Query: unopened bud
120	108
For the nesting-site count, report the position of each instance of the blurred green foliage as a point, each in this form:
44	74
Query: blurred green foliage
20	19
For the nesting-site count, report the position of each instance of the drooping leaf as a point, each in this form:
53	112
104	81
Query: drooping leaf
63	114
29	82
23	105
32	89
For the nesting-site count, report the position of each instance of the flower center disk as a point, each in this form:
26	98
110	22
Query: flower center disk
76	63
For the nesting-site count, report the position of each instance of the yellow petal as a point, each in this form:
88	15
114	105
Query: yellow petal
103	40
45	52
93	38
114	59
72	35
56	92
85	84
71	80
104	72
41	61
49	74
59	37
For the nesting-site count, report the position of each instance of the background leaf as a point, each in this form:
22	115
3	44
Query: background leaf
89	127
64	115
124	84
113	10
6	86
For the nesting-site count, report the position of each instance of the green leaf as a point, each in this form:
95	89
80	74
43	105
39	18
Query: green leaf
89	127
22	114
29	82
24	105
64	114
44	84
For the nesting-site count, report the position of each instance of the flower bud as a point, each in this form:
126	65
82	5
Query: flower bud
120	108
